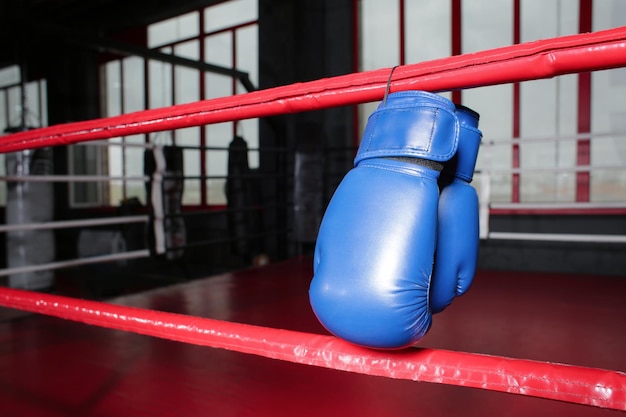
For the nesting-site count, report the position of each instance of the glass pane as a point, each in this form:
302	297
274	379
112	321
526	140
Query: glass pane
217	86
365	110
188	50
3	171
115	170
133	68
33	118
247	60
3	125
187	85
134	155
85	160
164	138
608	115
112	88
248	53
191	194
539	110
115	157
249	130
427	30
549	185
540	19
134	167
230	13
4	121
548	109
15	106
188	137
160	82
218	49
174	29
486	25
191	162
9	75
494	162
379	42
135	189
217	162
495	105
608	14
608	158
3	185
219	134
565	180
43	102
216	192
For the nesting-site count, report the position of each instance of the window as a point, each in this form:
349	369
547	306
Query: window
548	110
16	115
608	115
225	34
86	159
485	26
545	112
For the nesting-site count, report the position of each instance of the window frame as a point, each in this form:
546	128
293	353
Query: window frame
202	177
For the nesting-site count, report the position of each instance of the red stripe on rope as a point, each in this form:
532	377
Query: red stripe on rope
573	384
528	61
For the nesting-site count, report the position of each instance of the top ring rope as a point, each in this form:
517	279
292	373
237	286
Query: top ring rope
528	61
596	387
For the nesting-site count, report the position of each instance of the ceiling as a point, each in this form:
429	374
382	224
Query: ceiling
33	22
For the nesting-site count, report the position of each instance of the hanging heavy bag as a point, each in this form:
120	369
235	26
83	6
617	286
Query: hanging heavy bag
30	202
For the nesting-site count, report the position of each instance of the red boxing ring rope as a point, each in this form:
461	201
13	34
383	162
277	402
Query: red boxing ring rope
574	384
528	61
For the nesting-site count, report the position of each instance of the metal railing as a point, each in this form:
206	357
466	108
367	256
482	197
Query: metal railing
489	176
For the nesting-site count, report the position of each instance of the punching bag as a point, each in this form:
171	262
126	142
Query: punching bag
239	197
164	166
30	202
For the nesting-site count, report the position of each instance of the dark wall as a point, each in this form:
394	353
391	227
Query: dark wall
569	257
559	223
72	80
303	41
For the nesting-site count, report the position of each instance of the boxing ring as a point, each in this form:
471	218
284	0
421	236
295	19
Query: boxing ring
257	320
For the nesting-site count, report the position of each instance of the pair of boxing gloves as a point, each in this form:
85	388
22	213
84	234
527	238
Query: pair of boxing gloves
399	239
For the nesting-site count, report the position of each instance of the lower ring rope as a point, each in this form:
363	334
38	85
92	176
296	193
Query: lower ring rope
573	384
71	178
74	223
122	256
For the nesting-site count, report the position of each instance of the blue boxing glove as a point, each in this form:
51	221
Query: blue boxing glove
458	234
375	248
